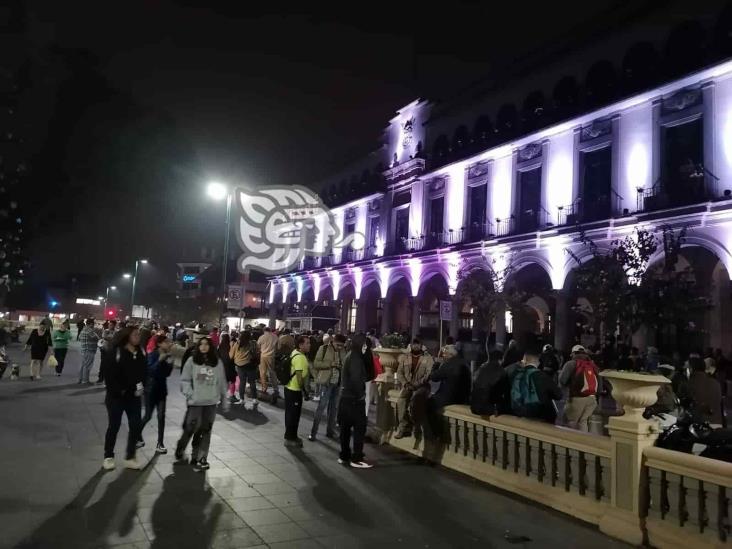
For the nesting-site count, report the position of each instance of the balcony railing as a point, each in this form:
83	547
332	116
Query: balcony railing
505	227
480	231
586	211
700	186
533	220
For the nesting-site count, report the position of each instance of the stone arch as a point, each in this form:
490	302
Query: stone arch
526	261
702	241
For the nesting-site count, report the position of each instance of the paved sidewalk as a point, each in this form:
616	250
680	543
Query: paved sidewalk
257	493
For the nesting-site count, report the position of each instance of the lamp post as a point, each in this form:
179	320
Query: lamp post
218	191
106	298
134	283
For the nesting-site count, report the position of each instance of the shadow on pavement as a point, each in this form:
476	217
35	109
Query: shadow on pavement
50	388
332	497
77	525
181	507
255	417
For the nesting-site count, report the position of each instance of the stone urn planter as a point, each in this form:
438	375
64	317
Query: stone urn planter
389	358
634	391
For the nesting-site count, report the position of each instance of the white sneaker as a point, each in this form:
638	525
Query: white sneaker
132	464
108	464
361	465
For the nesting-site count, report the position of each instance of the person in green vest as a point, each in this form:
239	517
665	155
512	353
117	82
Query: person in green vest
60	341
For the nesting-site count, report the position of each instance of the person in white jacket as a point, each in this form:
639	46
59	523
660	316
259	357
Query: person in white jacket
203	383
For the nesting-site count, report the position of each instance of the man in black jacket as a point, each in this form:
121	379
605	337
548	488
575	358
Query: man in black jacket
491	389
454	377
537	383
352	405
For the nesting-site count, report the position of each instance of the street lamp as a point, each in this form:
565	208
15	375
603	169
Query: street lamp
219	191
134	283
127	275
106	298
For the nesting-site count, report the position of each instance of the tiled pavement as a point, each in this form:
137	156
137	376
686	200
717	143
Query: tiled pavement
257	493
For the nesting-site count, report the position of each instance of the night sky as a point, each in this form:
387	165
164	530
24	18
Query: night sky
132	106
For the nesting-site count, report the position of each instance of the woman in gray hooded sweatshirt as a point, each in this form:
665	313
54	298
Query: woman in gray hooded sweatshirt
203	383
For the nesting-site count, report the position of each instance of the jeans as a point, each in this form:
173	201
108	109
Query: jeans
247	374
87	361
351	417
154	398
116	405
293	407
328	401
60	355
197	424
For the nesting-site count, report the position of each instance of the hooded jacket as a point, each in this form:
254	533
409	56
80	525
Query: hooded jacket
203	385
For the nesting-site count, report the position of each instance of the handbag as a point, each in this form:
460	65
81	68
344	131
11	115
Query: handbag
52	362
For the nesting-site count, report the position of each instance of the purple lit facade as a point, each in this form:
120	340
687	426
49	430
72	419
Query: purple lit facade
609	170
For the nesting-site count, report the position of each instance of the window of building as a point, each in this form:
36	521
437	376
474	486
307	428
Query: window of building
437	215
477	216
529	199
596	184
373	231
401	226
682	171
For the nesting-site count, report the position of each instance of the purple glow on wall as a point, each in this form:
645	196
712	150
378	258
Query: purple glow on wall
357	281
315	279
384	273
415	272
285	285
299	285
335	278
453	268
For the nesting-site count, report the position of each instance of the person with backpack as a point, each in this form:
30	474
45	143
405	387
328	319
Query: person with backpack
327	367
491	393
580	375
357	371
203	384
159	367
532	391
124	377
244	356
294	380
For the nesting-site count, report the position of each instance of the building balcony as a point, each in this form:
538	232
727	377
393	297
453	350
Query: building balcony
699	187
587	211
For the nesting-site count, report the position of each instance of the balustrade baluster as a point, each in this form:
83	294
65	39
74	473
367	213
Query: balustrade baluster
516	455
475	441
567	470
683	513
702	517
466	438
541	469
456	447
494	447
723	526
527	456
598	479
665	506
485	444
504	450
582	473
553	458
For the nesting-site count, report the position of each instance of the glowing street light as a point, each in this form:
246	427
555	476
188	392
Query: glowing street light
219	191
127	275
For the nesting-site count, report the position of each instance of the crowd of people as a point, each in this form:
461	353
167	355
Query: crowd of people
226	367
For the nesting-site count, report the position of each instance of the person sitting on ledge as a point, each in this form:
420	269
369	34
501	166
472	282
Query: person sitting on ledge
454	378
532	391
413	374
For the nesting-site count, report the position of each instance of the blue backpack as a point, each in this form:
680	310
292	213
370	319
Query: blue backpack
524	395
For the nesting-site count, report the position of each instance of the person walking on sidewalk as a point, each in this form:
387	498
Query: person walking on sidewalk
89	344
203	384
294	390
105	347
159	367
124	377
61	338
351	408
243	354
267	344
39	341
580	375
327	366
79	328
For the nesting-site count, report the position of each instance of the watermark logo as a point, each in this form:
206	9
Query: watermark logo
279	226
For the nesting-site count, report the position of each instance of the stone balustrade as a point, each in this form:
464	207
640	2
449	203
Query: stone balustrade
630	489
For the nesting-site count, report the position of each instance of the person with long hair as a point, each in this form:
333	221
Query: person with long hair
225	355
357	370
124	376
243	354
203	383
159	367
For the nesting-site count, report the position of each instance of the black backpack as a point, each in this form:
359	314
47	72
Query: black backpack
486	396
283	368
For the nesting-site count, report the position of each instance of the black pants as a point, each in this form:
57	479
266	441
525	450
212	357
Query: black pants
154	399
103	359
352	417
60	355
116	405
248	374
197	424
293	407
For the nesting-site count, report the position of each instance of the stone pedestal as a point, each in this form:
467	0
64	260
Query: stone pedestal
385	419
630	435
